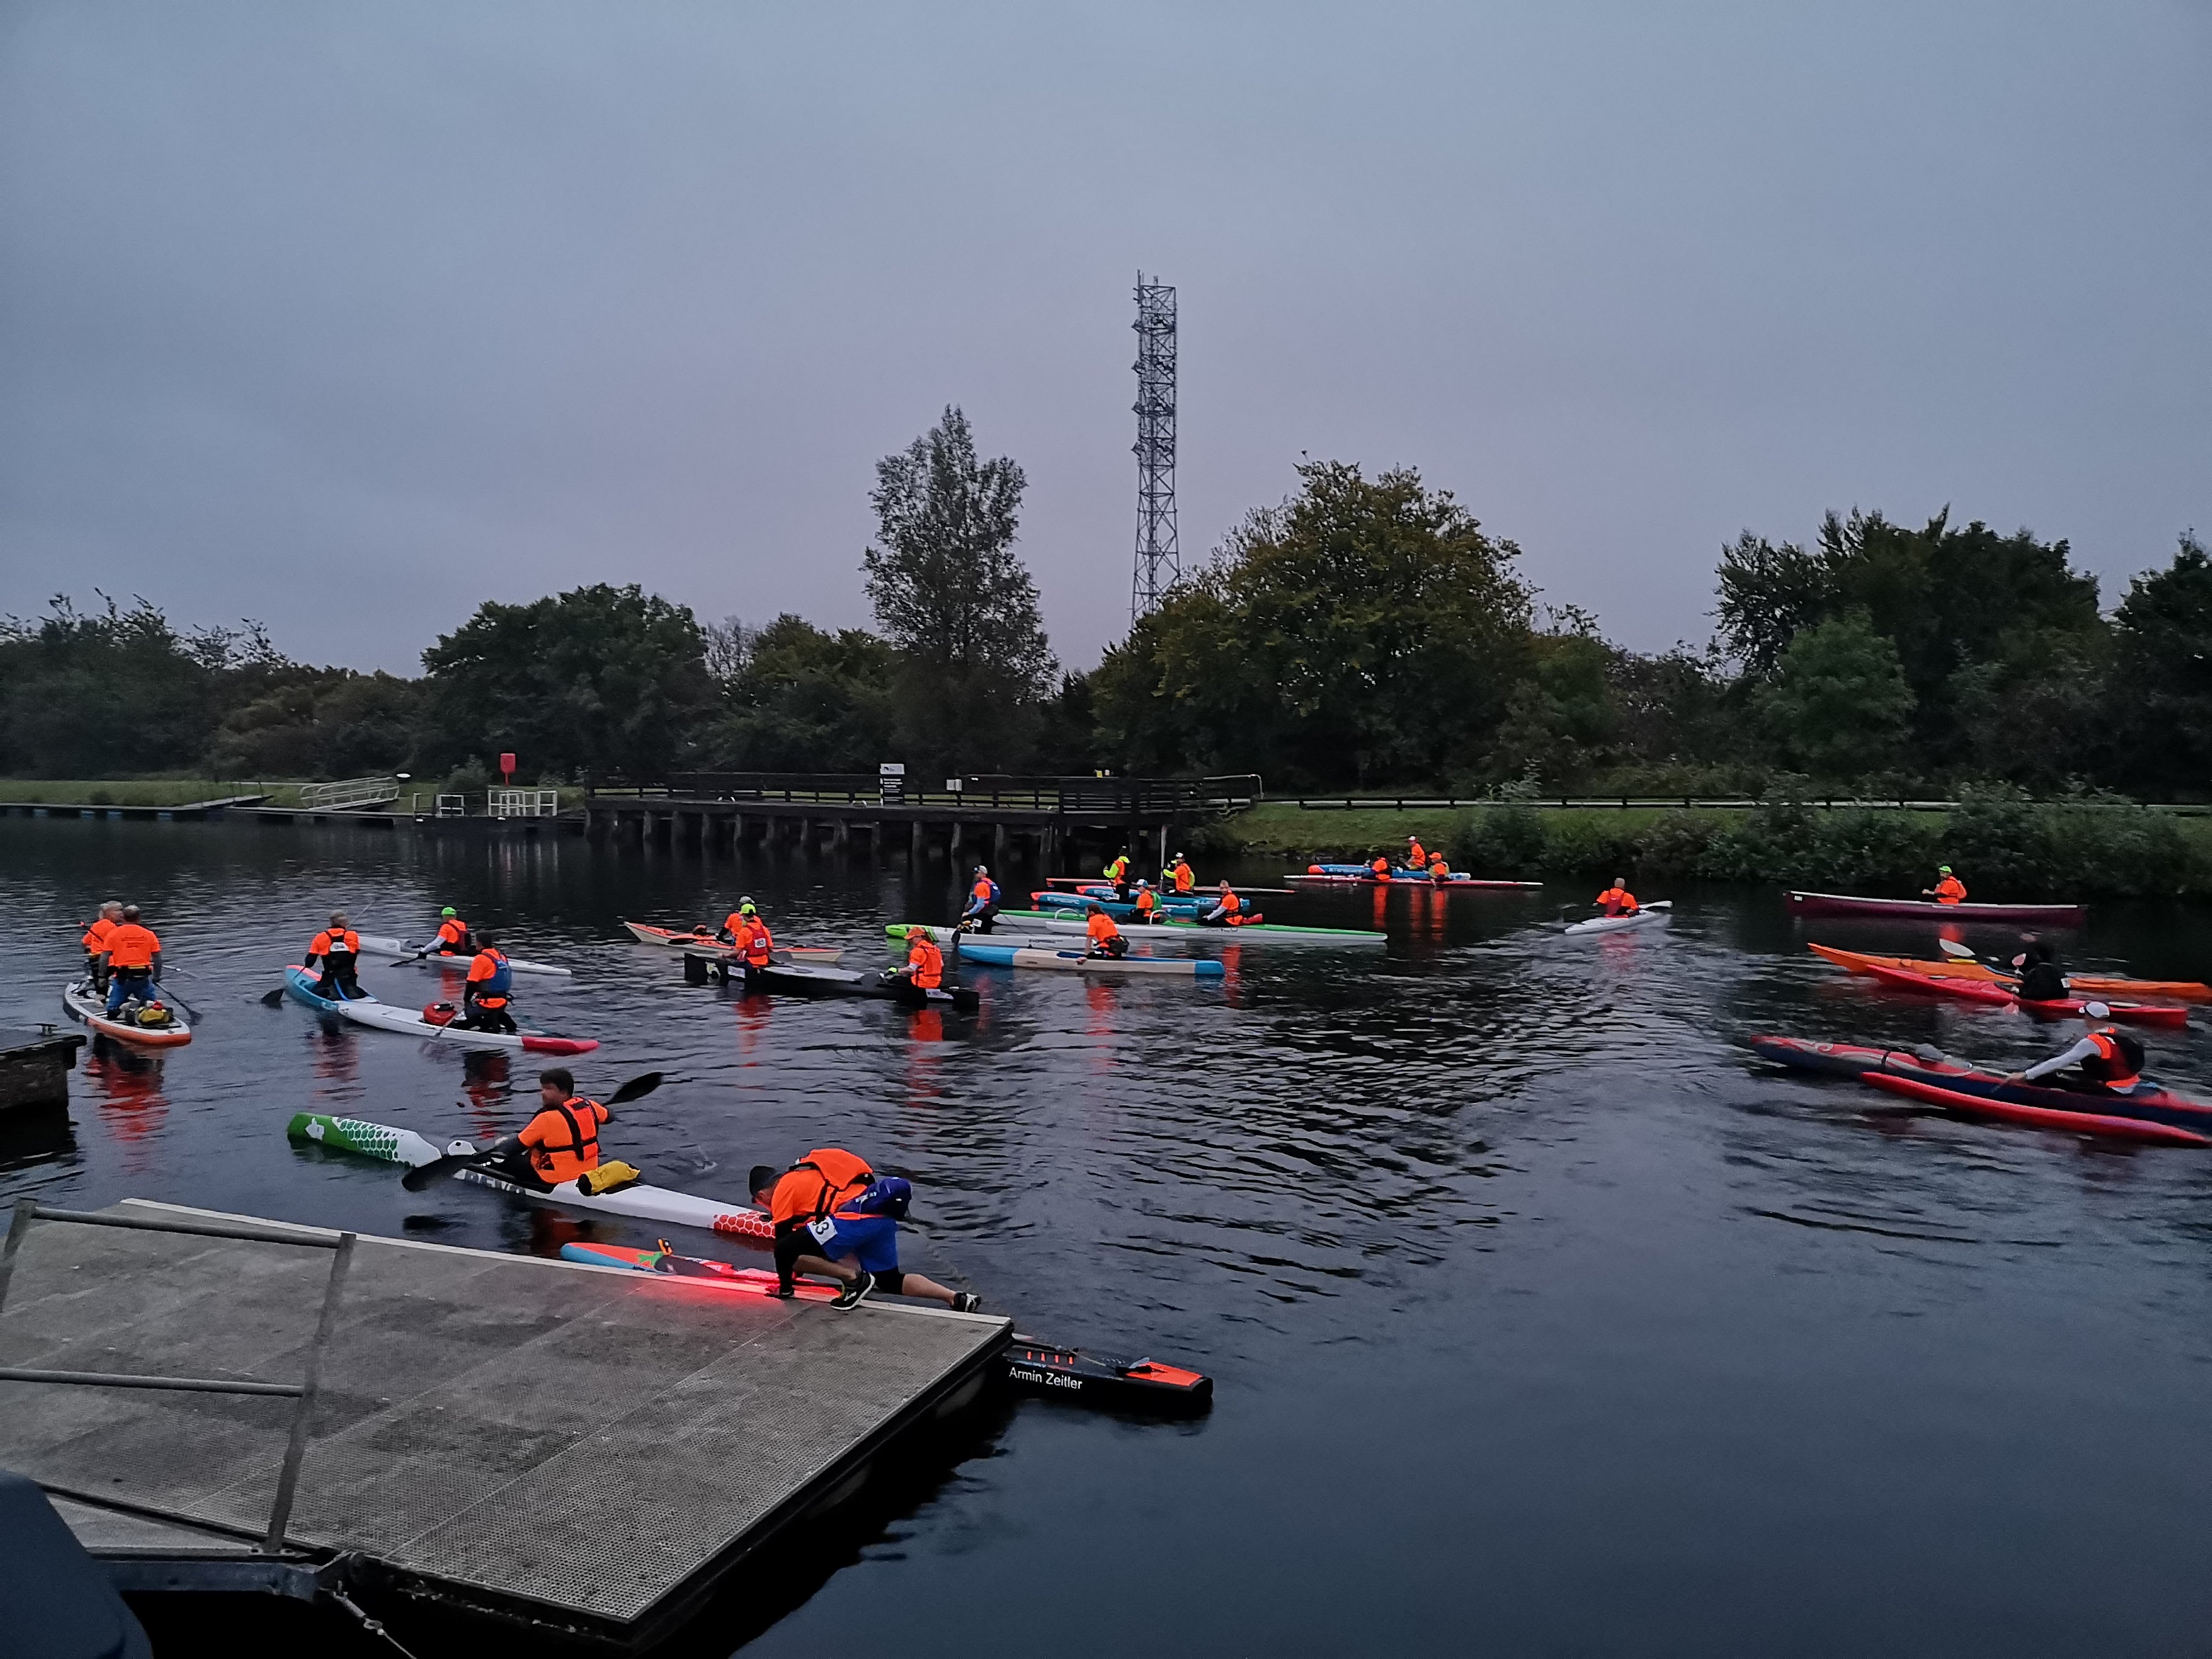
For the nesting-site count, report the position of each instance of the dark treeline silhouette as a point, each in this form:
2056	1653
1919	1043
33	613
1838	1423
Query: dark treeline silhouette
1365	633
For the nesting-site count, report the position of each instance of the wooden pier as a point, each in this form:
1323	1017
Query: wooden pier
217	1402
35	1068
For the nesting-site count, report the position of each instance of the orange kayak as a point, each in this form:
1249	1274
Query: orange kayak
2181	990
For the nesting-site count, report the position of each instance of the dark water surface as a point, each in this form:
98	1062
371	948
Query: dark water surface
1542	1322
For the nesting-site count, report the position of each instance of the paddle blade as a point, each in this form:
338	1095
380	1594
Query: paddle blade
425	1175
636	1089
1951	947
272	999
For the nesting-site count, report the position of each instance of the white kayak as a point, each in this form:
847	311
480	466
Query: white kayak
1081	961
416	953
706	945
1651	915
365	1009
78	997
391	1144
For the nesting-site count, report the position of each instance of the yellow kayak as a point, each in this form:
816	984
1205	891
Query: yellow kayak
2182	990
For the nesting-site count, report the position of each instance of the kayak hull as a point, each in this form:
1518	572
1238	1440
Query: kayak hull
1321	877
1963	990
2038	1117
708	945
82	1005
1078	961
805	979
1651	915
386	1017
1052	930
1845	904
1860	962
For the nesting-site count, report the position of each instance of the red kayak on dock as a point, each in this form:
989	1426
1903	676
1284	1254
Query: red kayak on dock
1967	990
1844	904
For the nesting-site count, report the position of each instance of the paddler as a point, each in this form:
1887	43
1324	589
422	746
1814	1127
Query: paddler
835	1219
2041	977
750	939
560	1142
1117	872
133	958
1147	903
1617	900
1417	858
2111	1060
1104	936
453	939
925	962
1947	889
491	986
337	947
982	902
1379	867
96	945
1439	870
1228	911
1184	878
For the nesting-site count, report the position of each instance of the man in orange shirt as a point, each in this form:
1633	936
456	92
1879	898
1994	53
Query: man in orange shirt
1105	937
96	945
1948	890
1617	900
925	962
133	956
560	1142
485	998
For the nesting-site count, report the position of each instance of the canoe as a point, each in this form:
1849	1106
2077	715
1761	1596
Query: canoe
708	945
1651	915
1859	962
391	1144
400	950
1079	962
1356	875
807	980
365	1009
2147	1099
1066	1374
78	997
1843	904
1964	990
2038	1117
1172	930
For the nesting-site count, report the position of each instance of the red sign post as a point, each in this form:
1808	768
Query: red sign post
507	768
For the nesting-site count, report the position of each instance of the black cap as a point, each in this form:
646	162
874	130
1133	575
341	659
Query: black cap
762	1178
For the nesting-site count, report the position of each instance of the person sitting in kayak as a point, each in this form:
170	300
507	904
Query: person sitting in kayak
1228	911
1379	867
1617	900
133	958
982	903
748	937
337	947
454	938
1147	903
2041	977
1417	857
925	962
835	1219
1181	873
1947	891
2111	1060
1104	936
1439	870
491	983
95	945
560	1142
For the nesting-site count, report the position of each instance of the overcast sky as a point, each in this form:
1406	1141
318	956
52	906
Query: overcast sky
349	317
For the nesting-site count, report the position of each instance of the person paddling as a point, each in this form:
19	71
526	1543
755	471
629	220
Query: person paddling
1228	911
2111	1060
133	957
337	947
1117	872
1617	900
1439	870
454	938
1379	867
2041	977
925	962
835	1219
485	998
1947	889
96	945
1104	936
750	939
1184	878
982	902
1417	858
560	1142
1147	903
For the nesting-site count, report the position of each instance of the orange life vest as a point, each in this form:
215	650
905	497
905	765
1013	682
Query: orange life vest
1147	902
980	892
2111	1064
452	931
754	940
1617	901
333	940
1415	854
488	968
95	937
1185	877
132	946
815	1185
1950	890
564	1139
927	960
1381	867
1231	904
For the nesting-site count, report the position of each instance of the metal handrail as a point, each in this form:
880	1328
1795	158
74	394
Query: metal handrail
349	792
28	1210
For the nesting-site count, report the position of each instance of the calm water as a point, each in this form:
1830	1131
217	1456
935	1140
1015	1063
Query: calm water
1541	1322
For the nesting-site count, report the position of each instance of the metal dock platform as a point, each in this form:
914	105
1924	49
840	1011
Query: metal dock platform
223	1402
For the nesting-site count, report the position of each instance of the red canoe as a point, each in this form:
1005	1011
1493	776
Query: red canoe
1967	990
1843	904
2038	1117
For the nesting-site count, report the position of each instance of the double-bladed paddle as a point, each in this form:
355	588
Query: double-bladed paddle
424	1174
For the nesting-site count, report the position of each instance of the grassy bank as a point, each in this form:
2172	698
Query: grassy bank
2005	848
138	792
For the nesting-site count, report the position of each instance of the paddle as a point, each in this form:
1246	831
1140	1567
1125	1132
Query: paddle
424	1174
1951	947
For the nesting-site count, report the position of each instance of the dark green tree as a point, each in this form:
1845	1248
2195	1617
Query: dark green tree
797	698
2158	707
953	598
1839	704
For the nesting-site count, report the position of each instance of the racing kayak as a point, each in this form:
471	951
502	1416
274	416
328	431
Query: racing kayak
1047	933
2185	990
390	1144
1175	929
708	945
1843	904
1080	962
365	1009
1360	875
422	956
2146	1100
2040	1117
804	980
1083	897
1652	914
1065	1373
1965	990
171	1032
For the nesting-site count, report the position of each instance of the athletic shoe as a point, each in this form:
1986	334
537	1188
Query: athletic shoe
966	1302
783	1292
854	1293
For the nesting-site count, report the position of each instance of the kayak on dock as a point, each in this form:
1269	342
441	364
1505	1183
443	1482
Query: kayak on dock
1649	915
1360	875
800	979
1068	1374
1859	962
365	1009
171	1029
709	945
424	957
1082	962
1844	904
388	1144
1967	990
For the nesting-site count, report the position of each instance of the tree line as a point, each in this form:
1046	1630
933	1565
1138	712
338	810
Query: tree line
1366	633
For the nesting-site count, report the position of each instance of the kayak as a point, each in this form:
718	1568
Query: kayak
1964	990
1654	915
1360	875
707	944
78	997
2040	1117
804	980
2185	990
1174	928
1080	962
1843	904
391	1144
1047	934
1066	1373
458	962
365	1009
1083	897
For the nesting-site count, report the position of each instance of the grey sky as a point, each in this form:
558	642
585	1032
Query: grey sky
349	317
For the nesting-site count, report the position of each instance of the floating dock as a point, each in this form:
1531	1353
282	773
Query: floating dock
34	1067
221	1402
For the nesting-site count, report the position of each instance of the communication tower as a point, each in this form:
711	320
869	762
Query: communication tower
1159	561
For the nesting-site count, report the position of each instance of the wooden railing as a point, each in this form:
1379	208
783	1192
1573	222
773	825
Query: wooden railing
1146	797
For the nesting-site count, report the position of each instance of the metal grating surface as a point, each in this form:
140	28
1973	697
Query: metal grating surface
586	1439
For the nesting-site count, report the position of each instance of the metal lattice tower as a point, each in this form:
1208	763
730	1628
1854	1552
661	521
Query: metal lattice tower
1159	560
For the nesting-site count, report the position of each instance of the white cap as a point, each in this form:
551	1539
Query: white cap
2096	1011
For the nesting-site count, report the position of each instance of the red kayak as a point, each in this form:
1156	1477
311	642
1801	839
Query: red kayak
1967	990
2038	1117
1844	904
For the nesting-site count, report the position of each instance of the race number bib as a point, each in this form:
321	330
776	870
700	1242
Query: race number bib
821	1231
